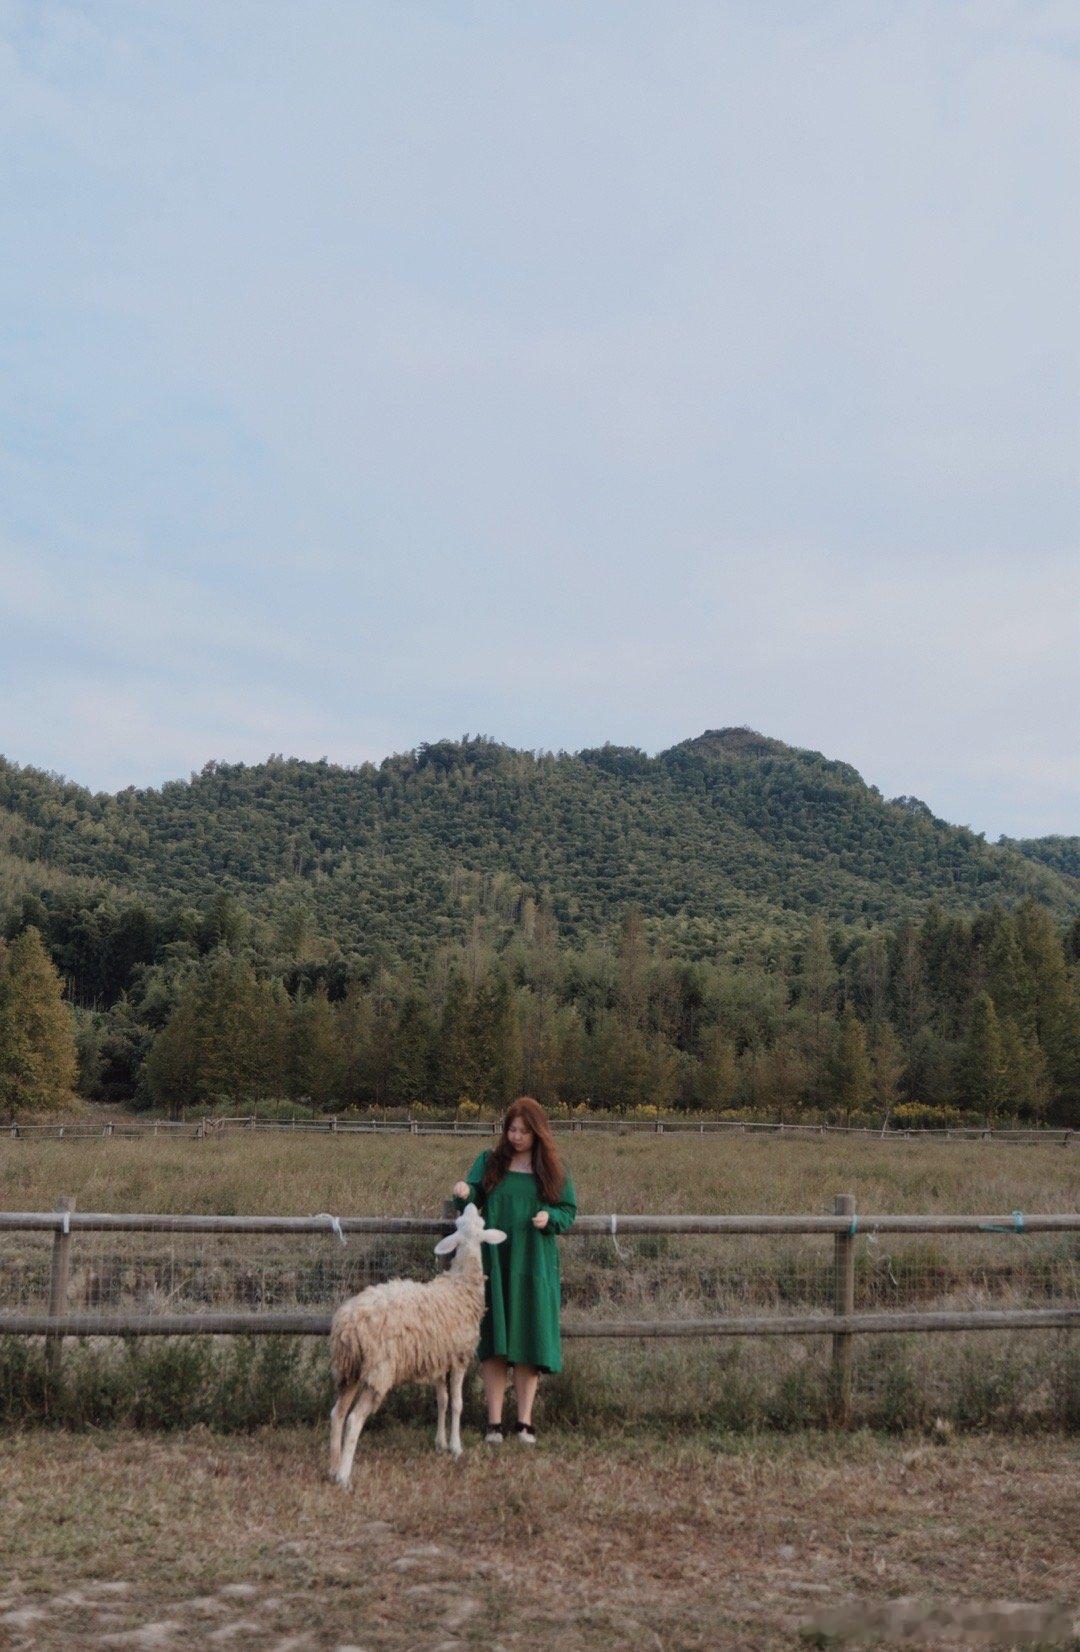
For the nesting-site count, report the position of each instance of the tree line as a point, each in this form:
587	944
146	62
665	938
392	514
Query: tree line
929	1019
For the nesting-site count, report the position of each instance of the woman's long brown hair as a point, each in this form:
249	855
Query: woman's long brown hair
546	1163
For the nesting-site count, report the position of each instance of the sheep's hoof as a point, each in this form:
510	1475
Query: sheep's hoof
441	1445
455	1452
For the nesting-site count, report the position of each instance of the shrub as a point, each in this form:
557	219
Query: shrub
920	1115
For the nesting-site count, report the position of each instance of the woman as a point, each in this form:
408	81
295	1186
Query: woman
521	1187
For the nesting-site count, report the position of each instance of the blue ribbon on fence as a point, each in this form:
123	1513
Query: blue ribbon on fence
1004	1227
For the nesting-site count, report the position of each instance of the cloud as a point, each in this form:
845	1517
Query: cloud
567	374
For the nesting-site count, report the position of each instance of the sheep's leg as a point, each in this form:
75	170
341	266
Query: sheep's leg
457	1380
338	1415
440	1401
358	1416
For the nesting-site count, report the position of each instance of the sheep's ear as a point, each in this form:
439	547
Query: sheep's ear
445	1246
493	1236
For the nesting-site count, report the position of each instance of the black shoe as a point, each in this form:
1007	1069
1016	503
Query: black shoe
526	1433
494	1435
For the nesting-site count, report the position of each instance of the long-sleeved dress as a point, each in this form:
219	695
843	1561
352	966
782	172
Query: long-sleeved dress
523	1280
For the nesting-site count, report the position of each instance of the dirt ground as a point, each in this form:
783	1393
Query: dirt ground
193	1540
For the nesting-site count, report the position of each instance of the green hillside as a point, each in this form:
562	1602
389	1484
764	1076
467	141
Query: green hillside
1061	854
723	839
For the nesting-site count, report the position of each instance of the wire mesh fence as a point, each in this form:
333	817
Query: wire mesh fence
633	1271
641	1275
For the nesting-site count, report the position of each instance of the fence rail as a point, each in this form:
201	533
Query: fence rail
848	1223
1059	1308
201	1129
289	1324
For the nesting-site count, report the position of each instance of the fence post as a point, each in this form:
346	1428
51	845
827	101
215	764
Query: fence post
58	1285
843	1303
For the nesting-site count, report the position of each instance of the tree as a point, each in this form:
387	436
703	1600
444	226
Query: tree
225	923
538	1040
410	1057
1026	1078
817	982
38	1055
1054	1018
886	1069
718	1076
454	1065
221	1041
315	1056
476	1046
982	1062
908	978
870	972
633	965
850	1067
493	1041
779	1079
1007	976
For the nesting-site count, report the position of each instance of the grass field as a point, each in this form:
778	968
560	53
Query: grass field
709	1542
680	1496
1022	1380
405	1175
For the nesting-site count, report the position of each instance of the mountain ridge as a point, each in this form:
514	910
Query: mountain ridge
727	834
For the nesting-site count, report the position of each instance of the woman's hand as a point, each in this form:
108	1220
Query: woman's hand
462	1190
540	1220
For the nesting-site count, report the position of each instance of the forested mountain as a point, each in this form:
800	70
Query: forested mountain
1060	853
732	924
723	842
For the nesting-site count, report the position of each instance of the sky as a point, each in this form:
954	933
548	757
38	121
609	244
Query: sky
375	373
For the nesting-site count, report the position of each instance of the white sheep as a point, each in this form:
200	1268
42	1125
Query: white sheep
408	1331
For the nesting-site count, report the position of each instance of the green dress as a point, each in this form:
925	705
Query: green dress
521	1311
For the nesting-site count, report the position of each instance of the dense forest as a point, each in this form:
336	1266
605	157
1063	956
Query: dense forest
732	925
725	842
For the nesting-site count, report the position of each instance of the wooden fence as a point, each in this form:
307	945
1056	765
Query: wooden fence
842	1324
200	1129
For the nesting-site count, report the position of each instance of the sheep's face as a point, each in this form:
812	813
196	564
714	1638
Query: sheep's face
469	1227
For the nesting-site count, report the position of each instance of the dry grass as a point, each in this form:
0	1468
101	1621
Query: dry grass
686	1536
404	1175
194	1540
1022	1382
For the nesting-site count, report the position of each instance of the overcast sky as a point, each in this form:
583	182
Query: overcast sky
565	372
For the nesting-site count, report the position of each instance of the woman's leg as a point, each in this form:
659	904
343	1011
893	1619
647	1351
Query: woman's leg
526	1382
493	1371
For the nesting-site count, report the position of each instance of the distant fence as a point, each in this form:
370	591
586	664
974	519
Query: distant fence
200	1129
833	1295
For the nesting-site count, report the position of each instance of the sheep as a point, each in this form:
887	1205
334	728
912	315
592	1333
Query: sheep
408	1331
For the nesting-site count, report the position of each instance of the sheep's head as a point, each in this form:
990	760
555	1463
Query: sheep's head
469	1229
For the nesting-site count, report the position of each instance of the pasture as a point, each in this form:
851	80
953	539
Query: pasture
1024	1378
684	1493
704	1542
411	1175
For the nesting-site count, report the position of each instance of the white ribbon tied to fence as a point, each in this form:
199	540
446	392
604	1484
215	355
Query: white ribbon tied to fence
335	1224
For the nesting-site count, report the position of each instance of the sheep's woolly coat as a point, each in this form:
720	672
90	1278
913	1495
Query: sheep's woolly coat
408	1331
